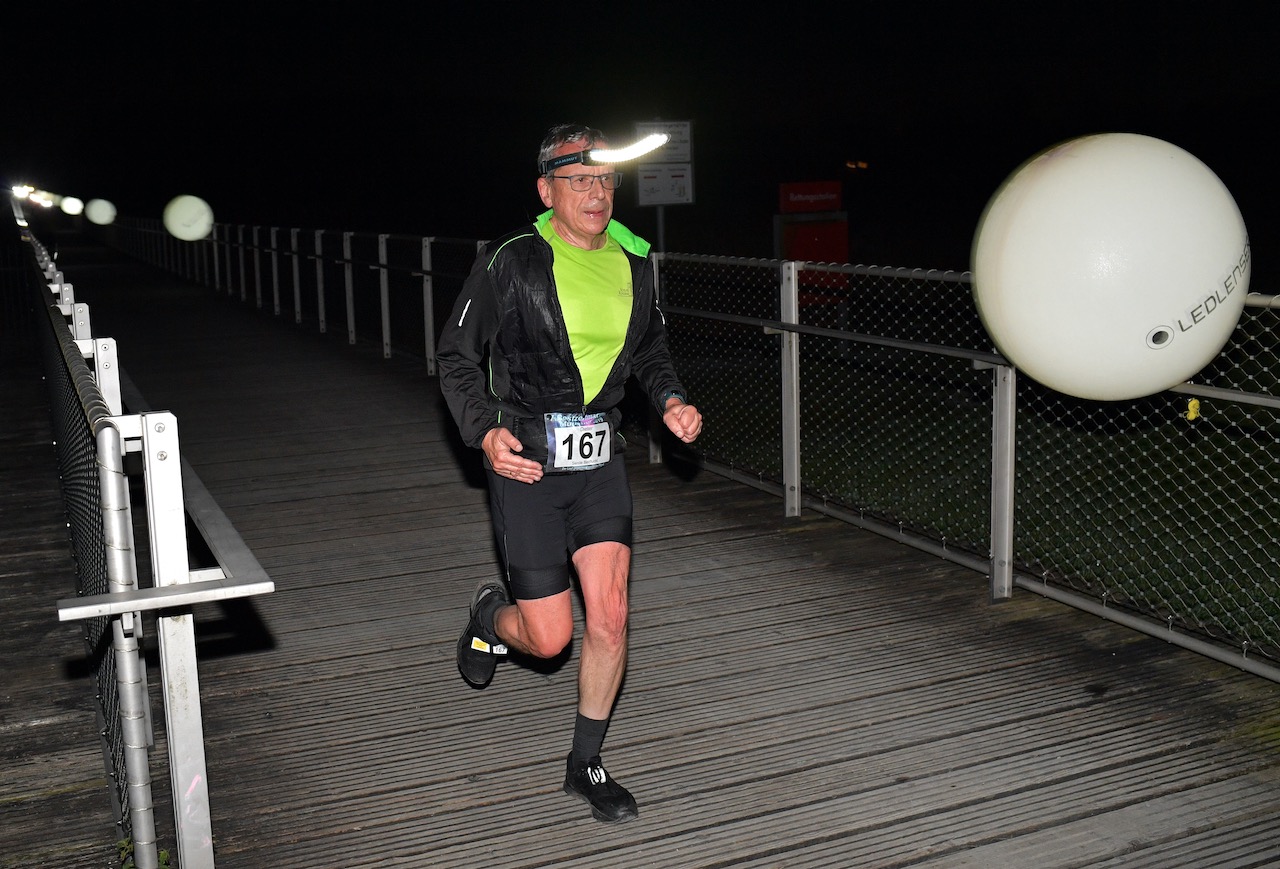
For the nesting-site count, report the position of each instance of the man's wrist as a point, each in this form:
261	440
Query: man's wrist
667	396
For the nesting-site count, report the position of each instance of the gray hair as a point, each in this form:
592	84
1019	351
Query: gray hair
565	134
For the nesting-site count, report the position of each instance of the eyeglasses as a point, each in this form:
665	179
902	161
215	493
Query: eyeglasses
583	183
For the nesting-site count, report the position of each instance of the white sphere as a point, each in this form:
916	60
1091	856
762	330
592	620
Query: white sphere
188	217
1111	266
100	211
71	205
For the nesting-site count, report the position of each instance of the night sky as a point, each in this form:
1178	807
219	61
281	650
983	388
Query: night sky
364	117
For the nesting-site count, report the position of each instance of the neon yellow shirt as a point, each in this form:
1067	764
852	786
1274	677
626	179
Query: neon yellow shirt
594	289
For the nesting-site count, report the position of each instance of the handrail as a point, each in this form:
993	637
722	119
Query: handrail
174	492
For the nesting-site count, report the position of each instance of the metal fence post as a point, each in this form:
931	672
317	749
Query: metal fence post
257	269
106	369
384	295
226	252
162	464
1003	416
275	271
428	309
790	355
349	281
297	279
244	283
320	312
80	324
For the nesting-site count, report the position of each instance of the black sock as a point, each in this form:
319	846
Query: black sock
488	612
588	736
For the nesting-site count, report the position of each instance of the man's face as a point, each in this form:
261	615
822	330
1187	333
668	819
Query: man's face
580	217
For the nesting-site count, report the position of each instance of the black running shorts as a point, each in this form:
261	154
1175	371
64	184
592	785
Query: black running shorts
540	526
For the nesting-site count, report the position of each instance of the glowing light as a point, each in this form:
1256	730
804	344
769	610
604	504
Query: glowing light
621	155
100	211
71	205
188	217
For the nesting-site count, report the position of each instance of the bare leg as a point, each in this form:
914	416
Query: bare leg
544	626
540	627
603	569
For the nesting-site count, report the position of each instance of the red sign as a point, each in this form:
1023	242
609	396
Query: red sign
804	196
817	241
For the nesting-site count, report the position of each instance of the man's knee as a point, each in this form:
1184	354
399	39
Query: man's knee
546	636
606	618
548	645
607	623
603	570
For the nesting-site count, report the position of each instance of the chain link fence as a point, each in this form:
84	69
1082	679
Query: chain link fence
1162	508
77	412
1165	505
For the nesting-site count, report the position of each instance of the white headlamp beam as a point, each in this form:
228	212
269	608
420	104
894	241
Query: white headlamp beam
606	156
622	155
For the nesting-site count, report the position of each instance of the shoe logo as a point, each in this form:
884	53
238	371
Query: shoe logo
480	645
597	775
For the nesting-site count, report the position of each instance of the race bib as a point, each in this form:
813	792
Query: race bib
577	441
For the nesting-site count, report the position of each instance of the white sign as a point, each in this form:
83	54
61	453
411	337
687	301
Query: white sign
679	148
666	184
666	177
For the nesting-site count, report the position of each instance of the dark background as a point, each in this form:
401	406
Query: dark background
366	117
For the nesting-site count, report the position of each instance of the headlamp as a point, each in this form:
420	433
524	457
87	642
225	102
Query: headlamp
604	156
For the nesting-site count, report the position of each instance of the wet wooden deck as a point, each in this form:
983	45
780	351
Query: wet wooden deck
801	693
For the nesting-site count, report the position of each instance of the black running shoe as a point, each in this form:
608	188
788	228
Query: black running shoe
479	648
609	800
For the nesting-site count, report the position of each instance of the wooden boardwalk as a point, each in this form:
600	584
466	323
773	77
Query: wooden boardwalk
800	694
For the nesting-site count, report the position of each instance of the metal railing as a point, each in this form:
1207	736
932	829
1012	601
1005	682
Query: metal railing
1159	513
89	393
394	287
875	395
